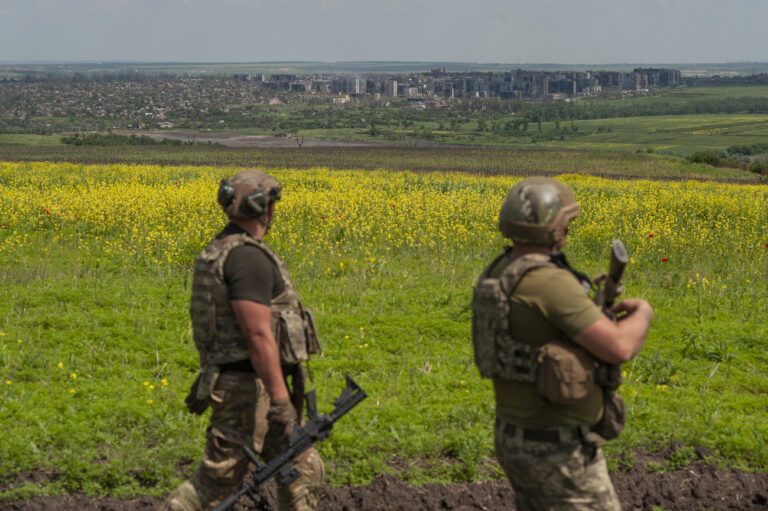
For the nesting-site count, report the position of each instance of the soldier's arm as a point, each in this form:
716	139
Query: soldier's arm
618	342
255	323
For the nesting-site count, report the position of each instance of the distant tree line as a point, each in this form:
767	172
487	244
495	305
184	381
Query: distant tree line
110	139
745	157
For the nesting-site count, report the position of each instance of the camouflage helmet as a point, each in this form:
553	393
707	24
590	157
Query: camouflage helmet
537	211
248	194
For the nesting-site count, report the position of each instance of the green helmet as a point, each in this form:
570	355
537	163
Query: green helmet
248	194
537	211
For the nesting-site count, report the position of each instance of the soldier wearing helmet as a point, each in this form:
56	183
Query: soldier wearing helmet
544	343
252	333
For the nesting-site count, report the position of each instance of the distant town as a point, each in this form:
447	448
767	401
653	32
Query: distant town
439	84
285	101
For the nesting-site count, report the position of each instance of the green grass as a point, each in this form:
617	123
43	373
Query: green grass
31	140
396	319
678	135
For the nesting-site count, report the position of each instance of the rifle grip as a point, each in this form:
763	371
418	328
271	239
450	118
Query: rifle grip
288	474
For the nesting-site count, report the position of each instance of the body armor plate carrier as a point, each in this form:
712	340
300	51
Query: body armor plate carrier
216	332
497	354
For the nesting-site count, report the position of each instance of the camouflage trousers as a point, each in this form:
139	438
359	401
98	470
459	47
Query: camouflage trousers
240	404
570	475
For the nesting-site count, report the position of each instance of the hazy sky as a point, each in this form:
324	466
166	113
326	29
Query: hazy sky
504	31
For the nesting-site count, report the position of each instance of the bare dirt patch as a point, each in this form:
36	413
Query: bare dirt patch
240	140
695	487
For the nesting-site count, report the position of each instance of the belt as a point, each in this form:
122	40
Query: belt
563	434
241	366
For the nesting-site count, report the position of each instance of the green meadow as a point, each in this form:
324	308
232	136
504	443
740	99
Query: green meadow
95	344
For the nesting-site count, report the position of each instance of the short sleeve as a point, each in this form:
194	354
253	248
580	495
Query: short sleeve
556	294
564	303
250	275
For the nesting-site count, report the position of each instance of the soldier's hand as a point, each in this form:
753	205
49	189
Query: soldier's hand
195	405
632	306
281	418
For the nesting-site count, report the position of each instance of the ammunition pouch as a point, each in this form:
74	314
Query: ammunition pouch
614	417
566	372
296	335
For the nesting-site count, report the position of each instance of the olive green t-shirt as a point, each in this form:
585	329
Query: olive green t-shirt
548	303
249	273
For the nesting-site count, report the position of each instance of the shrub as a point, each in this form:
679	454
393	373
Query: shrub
708	157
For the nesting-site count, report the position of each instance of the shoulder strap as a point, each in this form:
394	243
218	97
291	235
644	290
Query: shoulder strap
217	251
488	269
561	262
519	266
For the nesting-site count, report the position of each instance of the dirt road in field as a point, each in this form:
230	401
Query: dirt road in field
695	487
239	140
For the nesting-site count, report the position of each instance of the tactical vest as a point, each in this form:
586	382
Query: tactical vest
497	354
215	329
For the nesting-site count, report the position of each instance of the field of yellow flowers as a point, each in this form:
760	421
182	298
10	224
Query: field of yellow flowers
95	344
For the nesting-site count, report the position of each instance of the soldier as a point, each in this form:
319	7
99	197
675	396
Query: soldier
252	333
551	353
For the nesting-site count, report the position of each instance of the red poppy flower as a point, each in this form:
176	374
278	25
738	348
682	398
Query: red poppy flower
75	215
663	259
46	211
175	182
766	245
3	226
322	218
393	205
651	235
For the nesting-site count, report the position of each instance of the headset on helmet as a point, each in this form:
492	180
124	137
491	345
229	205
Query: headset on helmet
248	194
537	211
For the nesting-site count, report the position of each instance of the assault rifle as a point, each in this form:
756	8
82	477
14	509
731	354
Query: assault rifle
609	285
303	437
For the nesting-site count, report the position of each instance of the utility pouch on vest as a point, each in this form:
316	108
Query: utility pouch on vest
566	373
614	416
313	343
207	381
290	337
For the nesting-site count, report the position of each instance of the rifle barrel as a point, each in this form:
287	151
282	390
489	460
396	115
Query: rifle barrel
619	260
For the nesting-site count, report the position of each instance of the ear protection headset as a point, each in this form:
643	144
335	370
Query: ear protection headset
253	205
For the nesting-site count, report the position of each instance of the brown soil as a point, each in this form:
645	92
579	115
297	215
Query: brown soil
695	487
240	140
